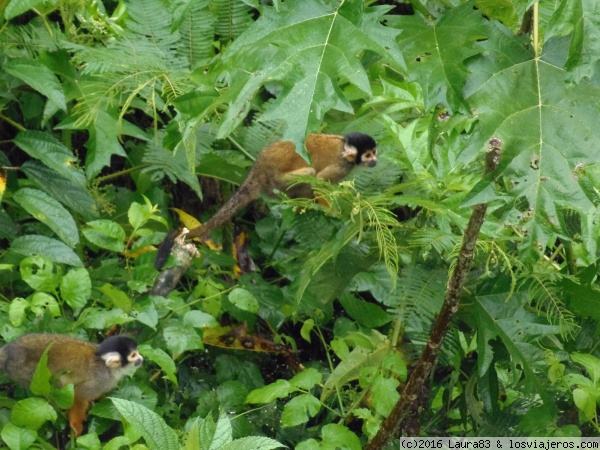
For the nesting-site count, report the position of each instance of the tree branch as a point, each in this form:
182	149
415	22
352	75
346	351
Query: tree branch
422	369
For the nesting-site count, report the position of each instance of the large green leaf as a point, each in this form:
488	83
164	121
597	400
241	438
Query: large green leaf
73	195
40	78
518	329
52	153
157	434
310	48
436	52
578	19
50	248
48	211
549	135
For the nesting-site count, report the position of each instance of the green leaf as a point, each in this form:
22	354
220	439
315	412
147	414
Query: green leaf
299	410
307	327
193	441
338	436
162	359
39	273
244	300
384	395
322	44
74	196
90	441
368	314
591	364
101	319
502	10
40	78
173	164
52	153
518	329
181	338
117	297
266	394
579	21
199	319
546	161
40	381
306	379
252	443
103	142
32	413
436	52
41	301
76	287
585	402
51	248
154	430
145	312
223	432
138	215
206	429
50	212
17	311
17	438
105	234
349	369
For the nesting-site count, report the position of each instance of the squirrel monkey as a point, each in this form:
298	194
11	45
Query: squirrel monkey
332	156
93	369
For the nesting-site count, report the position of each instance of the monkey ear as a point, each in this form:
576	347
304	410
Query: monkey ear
349	153
112	359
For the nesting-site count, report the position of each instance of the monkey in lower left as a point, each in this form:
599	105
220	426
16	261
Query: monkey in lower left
93	369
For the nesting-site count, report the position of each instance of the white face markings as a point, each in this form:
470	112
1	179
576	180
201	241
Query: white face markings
112	359
369	157
135	358
349	153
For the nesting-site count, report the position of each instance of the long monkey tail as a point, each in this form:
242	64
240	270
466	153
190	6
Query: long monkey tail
249	191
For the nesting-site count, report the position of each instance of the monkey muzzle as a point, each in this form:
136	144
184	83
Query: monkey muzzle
372	163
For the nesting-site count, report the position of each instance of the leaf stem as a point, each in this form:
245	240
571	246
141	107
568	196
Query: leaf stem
536	29
105	178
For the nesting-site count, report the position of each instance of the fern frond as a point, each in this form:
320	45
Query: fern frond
544	295
382	221
361	213
26	41
427	239
197	32
233	17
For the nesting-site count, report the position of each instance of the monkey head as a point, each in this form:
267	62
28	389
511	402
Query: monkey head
360	149
120	352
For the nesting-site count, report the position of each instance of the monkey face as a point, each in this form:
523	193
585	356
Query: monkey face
135	359
120	352
369	158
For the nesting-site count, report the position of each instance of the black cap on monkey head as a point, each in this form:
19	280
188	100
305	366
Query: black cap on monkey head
124	346
362	142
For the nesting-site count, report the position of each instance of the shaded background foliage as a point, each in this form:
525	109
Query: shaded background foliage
113	112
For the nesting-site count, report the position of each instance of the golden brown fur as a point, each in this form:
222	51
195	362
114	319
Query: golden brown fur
332	157
92	369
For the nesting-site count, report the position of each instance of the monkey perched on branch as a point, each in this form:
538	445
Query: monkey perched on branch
332	157
277	167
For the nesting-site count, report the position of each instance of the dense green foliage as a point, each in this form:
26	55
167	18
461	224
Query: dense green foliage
113	112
